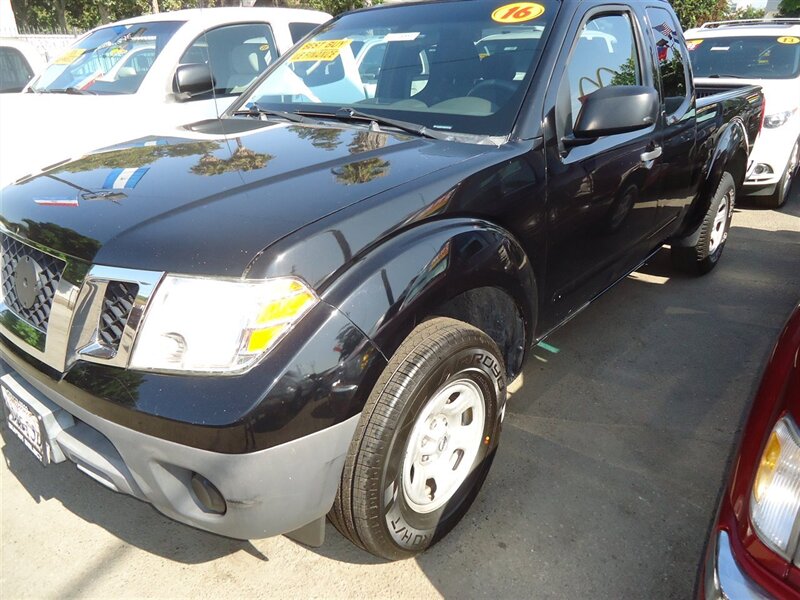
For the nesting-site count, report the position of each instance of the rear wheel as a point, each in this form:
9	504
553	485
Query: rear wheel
784	187
425	442
703	255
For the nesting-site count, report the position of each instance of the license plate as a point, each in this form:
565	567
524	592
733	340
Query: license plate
27	425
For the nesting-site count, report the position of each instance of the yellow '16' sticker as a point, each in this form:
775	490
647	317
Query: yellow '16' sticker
326	50
518	12
789	39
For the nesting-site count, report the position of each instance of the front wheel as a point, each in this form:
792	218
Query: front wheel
425	441
700	257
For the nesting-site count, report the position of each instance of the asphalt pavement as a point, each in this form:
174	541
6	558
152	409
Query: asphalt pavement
605	484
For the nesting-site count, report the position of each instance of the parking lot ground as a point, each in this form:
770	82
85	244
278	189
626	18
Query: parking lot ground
605	484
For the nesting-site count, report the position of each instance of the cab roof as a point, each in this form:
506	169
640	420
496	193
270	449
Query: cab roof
748	28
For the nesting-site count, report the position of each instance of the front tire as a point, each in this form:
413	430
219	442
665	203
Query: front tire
425	441
703	255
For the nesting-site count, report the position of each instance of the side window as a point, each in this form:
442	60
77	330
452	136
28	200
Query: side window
237	54
14	70
605	54
671	59
300	30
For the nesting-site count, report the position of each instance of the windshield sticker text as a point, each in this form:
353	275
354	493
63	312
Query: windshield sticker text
326	50
789	39
70	56
519	12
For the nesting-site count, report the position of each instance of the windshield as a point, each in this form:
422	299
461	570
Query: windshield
111	60
762	57
455	67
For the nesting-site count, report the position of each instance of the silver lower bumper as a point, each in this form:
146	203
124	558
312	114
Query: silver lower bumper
724	577
270	492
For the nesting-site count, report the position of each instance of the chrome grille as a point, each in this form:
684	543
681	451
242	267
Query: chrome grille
117	304
50	271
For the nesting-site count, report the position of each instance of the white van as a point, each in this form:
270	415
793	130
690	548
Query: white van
767	53
19	62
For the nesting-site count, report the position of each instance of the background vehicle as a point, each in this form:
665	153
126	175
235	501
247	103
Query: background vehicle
765	53
318	311
141	75
752	549
19	62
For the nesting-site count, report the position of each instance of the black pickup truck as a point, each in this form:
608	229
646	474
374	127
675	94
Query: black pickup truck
312	306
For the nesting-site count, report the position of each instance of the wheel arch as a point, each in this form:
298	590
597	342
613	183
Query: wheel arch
466	269
729	155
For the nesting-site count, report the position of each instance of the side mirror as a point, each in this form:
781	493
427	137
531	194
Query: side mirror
616	109
193	79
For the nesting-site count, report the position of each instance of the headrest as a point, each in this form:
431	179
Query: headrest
244	60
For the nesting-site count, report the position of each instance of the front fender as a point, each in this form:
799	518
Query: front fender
411	276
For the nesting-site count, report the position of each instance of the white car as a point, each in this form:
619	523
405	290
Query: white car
19	62
765	53
142	76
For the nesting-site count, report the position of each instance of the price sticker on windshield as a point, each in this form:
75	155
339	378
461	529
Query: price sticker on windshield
789	39
70	56
519	12
325	50
692	44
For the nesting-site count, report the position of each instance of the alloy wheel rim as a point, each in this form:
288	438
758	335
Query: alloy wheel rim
443	444
719	226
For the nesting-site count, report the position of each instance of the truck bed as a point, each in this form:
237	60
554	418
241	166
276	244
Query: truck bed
708	93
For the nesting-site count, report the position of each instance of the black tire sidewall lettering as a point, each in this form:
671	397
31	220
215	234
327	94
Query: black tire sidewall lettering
407	528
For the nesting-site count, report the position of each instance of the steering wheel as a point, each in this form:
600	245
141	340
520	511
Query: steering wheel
497	91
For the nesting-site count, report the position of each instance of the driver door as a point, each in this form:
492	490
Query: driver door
602	196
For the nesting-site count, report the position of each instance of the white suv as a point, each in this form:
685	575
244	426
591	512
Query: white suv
766	53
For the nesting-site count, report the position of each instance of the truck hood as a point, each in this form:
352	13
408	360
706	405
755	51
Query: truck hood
208	205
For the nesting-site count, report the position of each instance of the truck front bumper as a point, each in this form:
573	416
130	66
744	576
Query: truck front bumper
722	577
770	157
253	495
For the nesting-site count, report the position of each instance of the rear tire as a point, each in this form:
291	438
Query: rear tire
703	256
425	441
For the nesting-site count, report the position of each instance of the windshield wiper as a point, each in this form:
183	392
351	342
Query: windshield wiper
347	113
723	76
256	111
69	90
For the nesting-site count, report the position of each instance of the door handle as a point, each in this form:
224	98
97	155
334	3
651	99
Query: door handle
652	154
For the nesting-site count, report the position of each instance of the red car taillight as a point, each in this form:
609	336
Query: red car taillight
765	489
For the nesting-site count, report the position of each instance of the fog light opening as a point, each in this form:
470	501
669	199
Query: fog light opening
762	169
208	495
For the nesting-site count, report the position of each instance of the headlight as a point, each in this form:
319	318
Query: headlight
775	499
217	326
778	119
